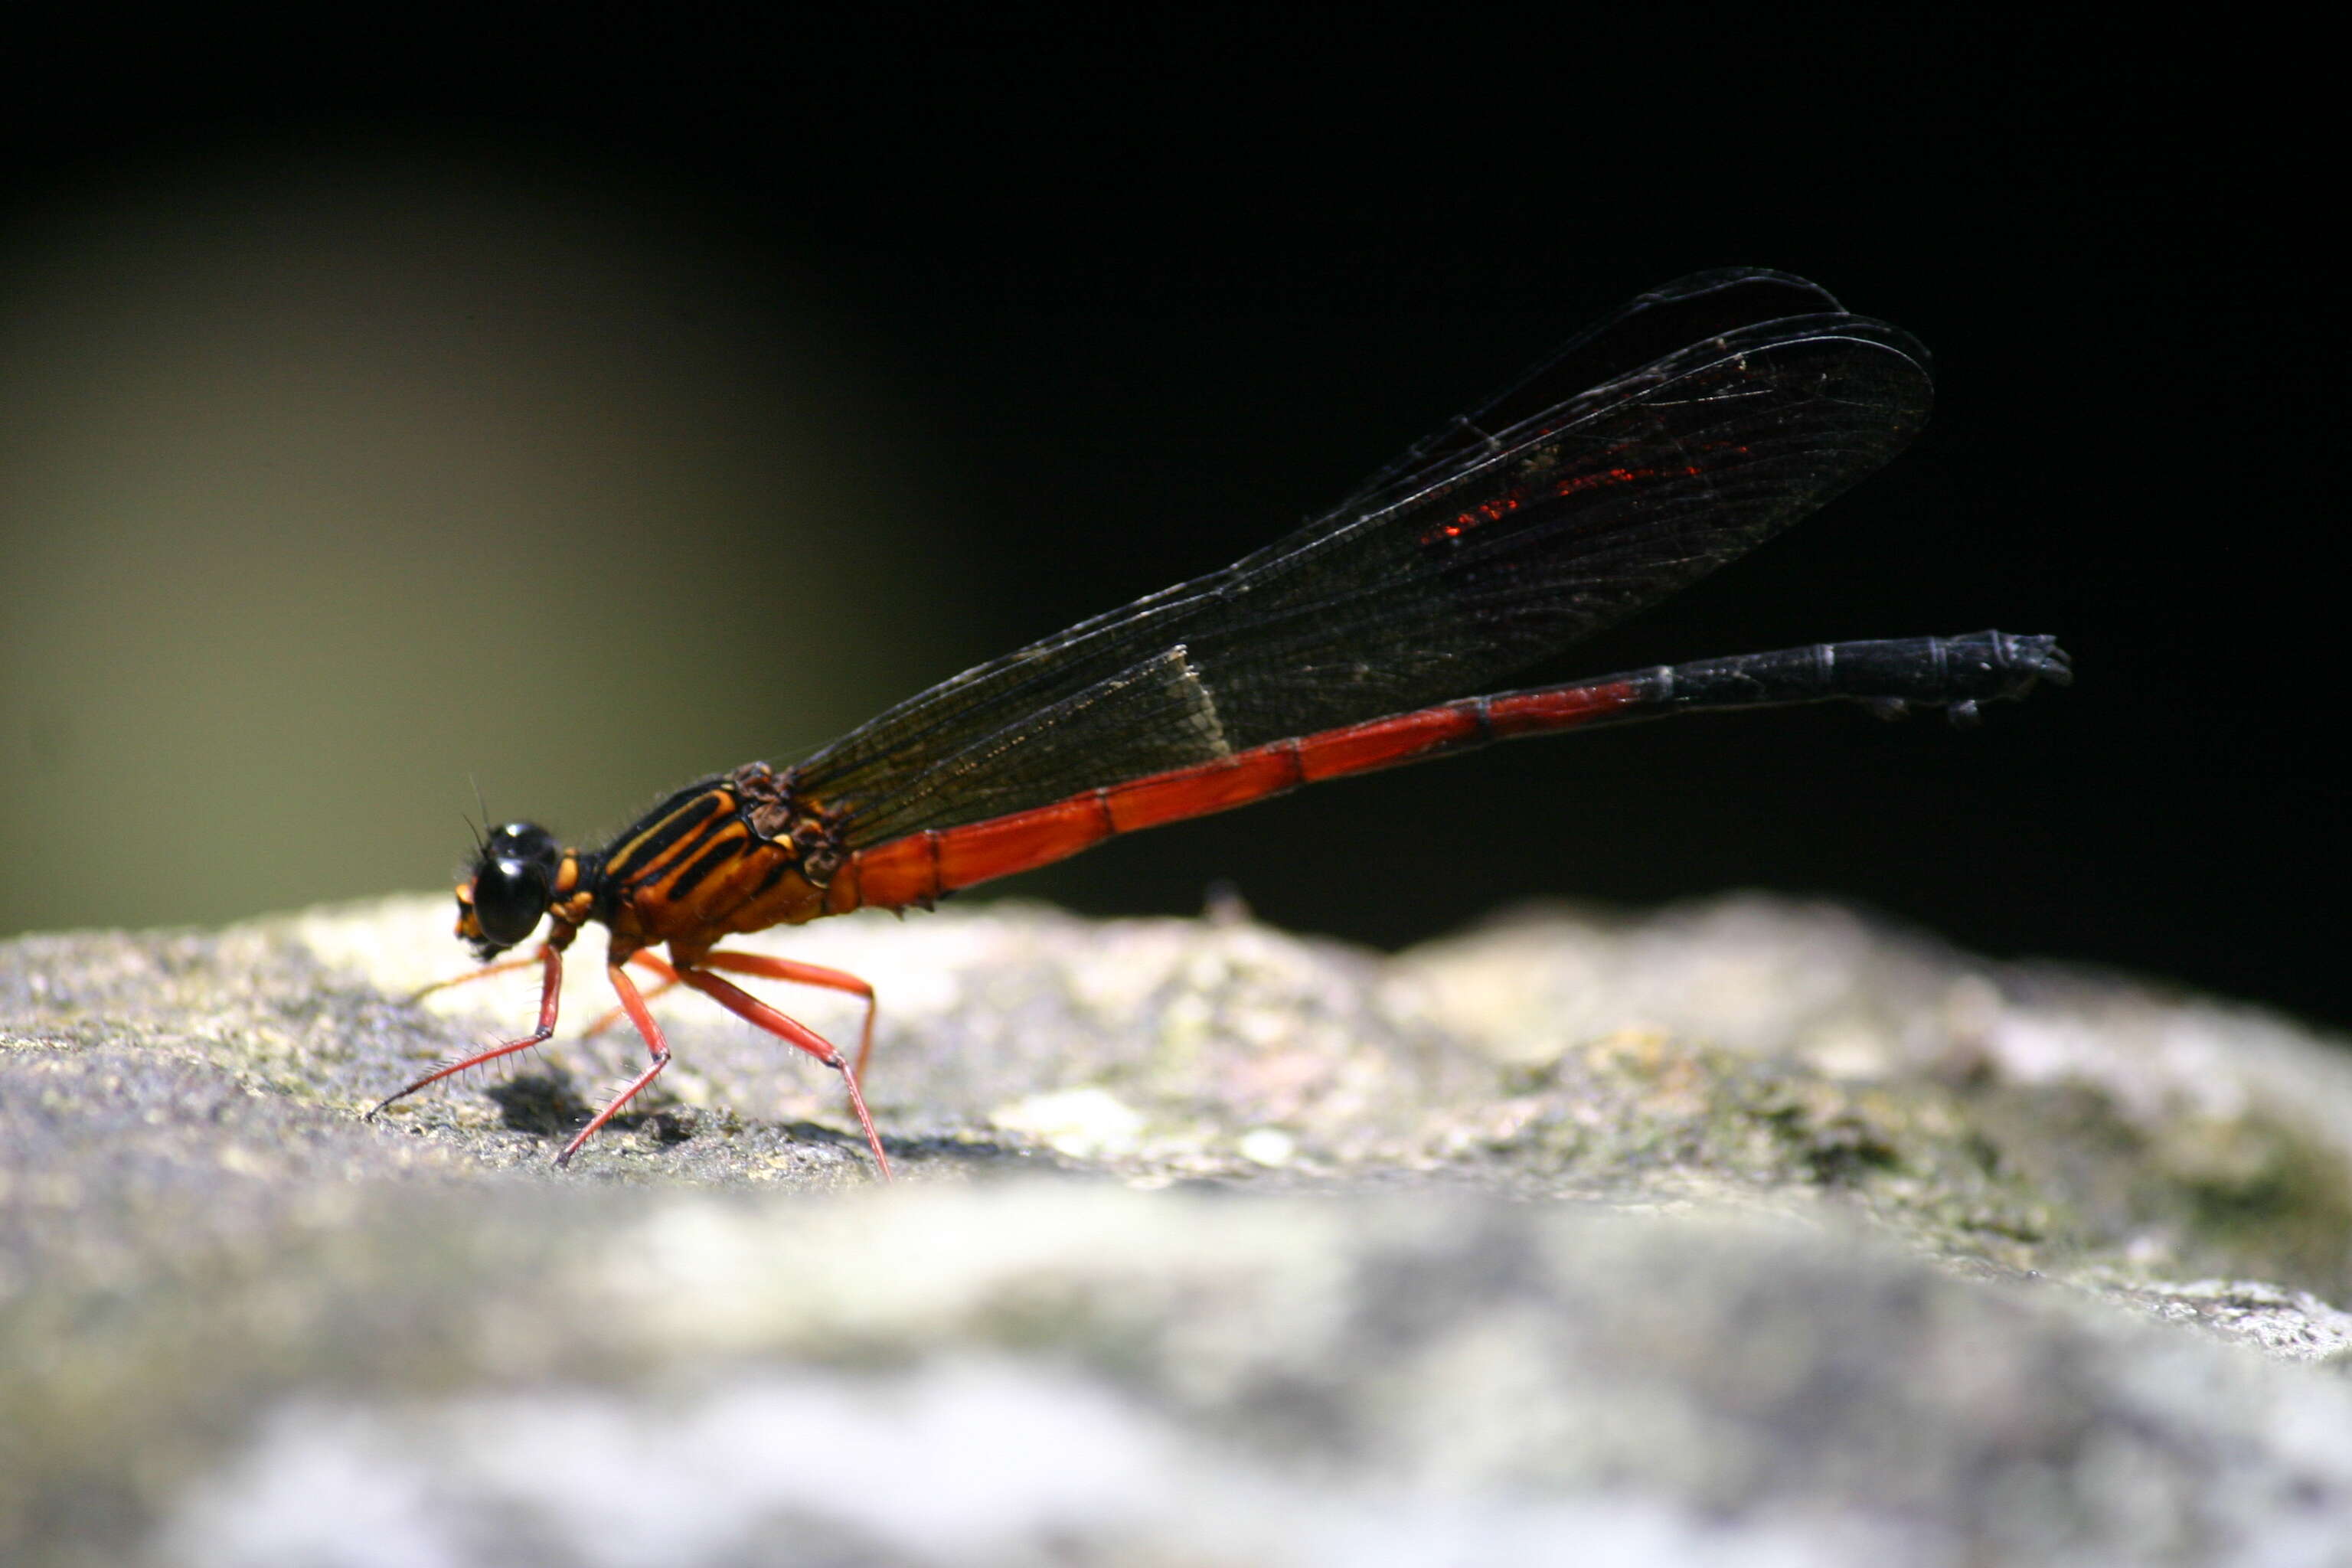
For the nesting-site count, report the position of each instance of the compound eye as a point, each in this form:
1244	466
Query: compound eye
509	897
525	841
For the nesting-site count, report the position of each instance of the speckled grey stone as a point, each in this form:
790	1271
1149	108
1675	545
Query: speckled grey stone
1745	1233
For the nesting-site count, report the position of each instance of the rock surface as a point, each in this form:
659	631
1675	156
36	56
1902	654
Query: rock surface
1747	1232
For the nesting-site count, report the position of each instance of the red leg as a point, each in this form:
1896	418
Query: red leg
745	1005
643	1017
798	973
644	958
505	967
551	992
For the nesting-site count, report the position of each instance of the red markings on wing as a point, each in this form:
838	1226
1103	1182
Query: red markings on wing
1571	485
1502	506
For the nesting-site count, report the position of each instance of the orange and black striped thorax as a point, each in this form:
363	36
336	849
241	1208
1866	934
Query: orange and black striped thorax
738	852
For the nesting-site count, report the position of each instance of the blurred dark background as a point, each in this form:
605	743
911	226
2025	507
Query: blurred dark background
574	406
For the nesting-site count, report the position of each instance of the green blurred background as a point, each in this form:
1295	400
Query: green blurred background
339	482
571	407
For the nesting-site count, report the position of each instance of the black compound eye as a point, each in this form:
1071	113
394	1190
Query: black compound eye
523	841
509	897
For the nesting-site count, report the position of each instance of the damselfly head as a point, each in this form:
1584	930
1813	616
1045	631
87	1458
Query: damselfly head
512	885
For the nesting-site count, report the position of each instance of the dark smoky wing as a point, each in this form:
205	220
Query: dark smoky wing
1462	569
1646	329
